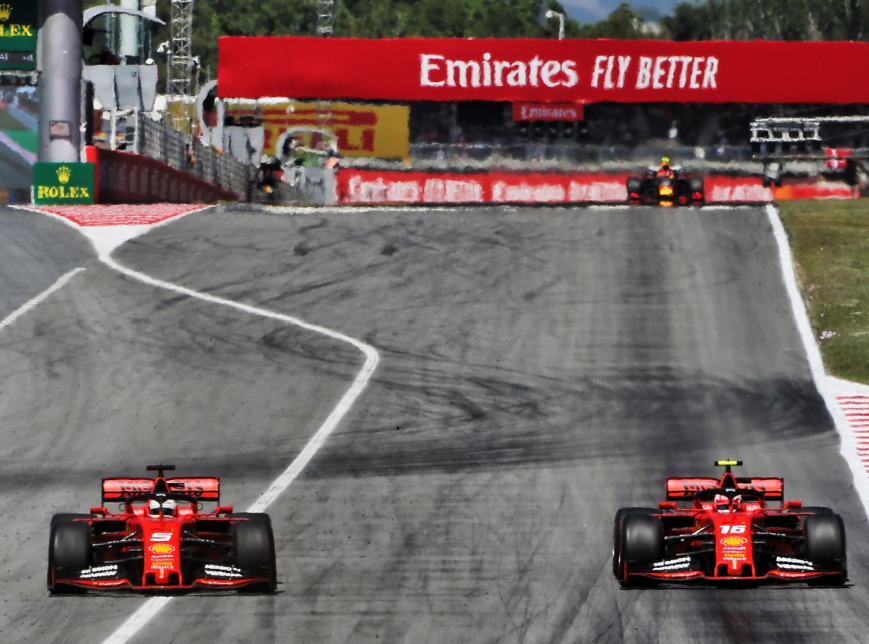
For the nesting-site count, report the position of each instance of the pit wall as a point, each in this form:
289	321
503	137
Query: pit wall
128	178
359	186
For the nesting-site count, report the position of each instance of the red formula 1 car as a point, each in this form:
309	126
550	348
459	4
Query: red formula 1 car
668	186
161	540
725	531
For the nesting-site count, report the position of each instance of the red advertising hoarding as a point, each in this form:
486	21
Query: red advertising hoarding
548	111
358	186
569	71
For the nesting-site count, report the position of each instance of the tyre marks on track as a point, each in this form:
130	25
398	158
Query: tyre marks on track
99	224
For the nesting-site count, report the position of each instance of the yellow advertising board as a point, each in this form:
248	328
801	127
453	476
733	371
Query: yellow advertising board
379	131
181	114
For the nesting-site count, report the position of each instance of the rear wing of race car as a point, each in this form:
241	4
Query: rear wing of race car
204	488
773	488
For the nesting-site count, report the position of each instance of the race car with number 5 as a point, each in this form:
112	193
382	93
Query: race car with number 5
161	540
727	531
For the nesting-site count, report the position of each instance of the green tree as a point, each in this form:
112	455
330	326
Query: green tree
770	20
622	23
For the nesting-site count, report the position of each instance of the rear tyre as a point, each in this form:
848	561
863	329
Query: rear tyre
69	550
825	544
254	549
634	185
696	186
816	510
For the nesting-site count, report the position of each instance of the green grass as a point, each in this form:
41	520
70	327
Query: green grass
9	122
27	139
830	244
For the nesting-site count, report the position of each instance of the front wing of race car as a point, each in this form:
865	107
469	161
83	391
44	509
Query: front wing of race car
127	575
768	568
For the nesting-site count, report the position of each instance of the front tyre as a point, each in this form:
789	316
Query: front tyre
825	543
622	551
254	549
69	550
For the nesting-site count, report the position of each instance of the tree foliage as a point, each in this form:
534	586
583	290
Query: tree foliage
691	20
770	20
623	23
365	19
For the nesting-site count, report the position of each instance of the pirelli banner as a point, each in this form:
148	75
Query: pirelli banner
362	130
627	71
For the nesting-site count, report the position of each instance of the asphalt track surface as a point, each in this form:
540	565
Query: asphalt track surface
539	369
15	172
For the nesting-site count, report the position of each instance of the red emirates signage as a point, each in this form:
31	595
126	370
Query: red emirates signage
357	186
548	112
529	70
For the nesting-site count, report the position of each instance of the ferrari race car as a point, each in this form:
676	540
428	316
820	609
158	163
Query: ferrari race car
161	541
669	188
725	531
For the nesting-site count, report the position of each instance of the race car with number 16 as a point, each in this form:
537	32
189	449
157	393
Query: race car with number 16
736	529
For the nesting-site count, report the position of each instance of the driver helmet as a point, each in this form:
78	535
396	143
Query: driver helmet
722	503
168	507
665	163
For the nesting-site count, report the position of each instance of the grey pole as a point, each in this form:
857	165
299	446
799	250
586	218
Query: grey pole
59	53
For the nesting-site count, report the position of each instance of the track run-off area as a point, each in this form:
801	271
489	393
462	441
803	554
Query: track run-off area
442	409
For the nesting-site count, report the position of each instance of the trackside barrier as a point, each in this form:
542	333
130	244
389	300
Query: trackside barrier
125	177
160	142
363	186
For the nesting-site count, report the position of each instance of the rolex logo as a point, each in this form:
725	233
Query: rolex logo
5	12
64	174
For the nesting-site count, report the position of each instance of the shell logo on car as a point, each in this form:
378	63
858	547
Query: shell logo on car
162	549
734	541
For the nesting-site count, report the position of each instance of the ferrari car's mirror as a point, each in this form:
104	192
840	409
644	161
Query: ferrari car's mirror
101	510
666	505
793	505
223	509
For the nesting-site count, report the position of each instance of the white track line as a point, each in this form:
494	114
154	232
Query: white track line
31	304
829	388
137	620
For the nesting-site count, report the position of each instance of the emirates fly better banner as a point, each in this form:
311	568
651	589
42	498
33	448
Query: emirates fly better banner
629	71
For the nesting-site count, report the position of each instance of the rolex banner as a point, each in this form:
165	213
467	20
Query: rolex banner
63	183
18	34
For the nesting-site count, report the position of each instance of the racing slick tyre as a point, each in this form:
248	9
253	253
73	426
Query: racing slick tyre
253	547
825	544
816	509
634	186
69	550
696	186
620	536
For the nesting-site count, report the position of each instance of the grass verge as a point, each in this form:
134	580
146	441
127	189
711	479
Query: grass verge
830	244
